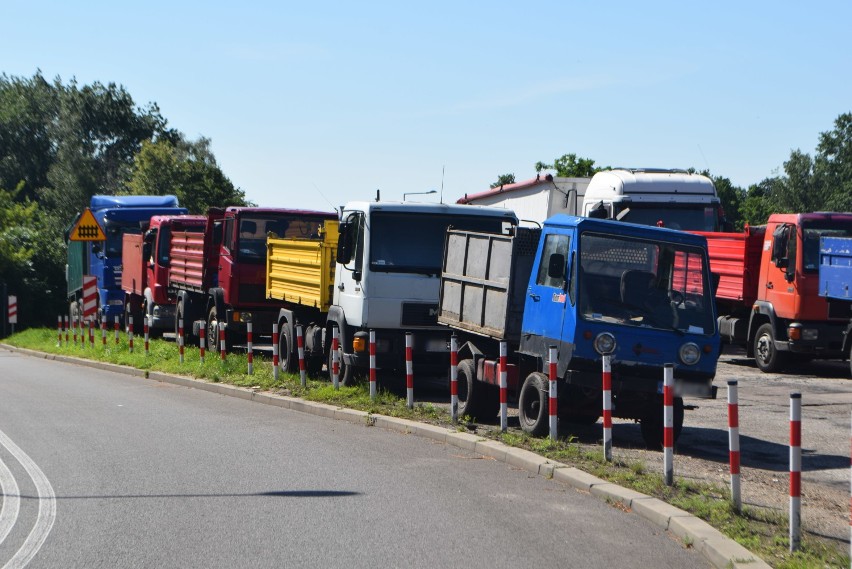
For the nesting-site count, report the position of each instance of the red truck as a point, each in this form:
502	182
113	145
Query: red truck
768	293
220	275
145	269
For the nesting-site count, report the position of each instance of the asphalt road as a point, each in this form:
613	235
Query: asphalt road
105	470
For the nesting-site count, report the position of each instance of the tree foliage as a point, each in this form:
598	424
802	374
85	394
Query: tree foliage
570	166
503	180
186	169
60	144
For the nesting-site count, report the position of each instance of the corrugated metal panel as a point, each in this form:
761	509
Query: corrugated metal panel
735	257
302	270
187	258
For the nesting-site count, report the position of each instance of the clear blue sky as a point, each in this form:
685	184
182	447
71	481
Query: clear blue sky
311	104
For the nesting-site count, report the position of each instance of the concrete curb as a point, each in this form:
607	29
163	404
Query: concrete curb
719	550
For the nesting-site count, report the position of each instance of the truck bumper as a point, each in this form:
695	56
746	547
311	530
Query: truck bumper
649	381
430	351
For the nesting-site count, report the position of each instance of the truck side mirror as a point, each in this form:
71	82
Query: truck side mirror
790	273
344	244
556	266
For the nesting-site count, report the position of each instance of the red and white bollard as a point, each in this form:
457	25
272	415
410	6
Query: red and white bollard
552	401
74	324
221	326
147	331
116	330
335	357
67	325
454	378
130	333
668	423
59	330
249	348
504	388
607	407
300	346
795	471
372	364
275	351
91	333
409	370
103	330
202	341
180	340
734	443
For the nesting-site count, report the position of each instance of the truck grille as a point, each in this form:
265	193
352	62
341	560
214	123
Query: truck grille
419	314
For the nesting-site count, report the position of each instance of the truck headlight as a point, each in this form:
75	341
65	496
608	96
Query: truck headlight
690	354
242	317
605	343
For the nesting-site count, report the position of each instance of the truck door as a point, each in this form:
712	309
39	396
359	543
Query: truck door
780	288
547	295
350	282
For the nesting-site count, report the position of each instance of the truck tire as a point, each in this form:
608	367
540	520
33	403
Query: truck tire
213	332
766	356
652	424
346	375
478	400
285	350
533	403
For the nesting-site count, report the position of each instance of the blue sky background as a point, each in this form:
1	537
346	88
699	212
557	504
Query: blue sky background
311	104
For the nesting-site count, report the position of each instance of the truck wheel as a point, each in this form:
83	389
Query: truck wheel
346	375
652	424
766	356
533	403
285	354
213	332
477	399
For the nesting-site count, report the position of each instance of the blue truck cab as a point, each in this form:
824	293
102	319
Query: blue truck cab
589	287
116	215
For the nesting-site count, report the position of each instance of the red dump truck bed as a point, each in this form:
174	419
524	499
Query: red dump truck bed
133	266
187	260
735	257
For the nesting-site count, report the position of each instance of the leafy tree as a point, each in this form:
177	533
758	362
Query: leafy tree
504	180
833	164
187	169
758	205
570	166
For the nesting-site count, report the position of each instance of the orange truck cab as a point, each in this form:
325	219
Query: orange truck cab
768	293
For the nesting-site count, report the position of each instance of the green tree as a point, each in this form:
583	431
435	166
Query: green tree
504	180
758	205
186	169
833	164
570	166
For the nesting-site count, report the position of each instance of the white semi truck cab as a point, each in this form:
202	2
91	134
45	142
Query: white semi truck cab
675	199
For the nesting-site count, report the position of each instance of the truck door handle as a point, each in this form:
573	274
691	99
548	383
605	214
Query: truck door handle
340	286
535	297
769	285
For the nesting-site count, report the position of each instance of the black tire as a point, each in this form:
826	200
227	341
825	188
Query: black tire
286	359
766	356
652	424
189	339
213	332
478	400
346	375
533	404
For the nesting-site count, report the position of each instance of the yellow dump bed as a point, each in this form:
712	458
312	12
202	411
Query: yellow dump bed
302	270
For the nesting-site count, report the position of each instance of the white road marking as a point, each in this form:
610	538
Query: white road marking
11	501
46	507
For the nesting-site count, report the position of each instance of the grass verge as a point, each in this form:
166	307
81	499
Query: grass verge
765	533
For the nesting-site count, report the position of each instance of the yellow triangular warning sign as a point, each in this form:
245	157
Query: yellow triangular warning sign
87	229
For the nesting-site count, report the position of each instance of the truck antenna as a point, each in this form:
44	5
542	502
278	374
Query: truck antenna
323	196
443	168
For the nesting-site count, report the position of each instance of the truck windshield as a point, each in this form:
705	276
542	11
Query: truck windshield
114	231
811	233
253	230
625	280
414	242
696	217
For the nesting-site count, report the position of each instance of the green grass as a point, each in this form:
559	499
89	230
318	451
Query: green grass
760	531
